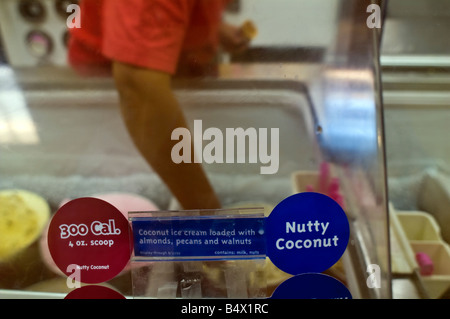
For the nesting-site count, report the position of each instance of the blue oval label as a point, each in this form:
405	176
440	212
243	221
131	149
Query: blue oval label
311	286
306	232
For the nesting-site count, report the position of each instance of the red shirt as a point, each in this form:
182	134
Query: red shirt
156	34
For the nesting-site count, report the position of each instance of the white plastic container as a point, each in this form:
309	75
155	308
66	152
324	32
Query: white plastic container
402	256
419	226
439	252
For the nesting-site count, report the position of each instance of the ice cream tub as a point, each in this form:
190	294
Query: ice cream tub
419	225
438	281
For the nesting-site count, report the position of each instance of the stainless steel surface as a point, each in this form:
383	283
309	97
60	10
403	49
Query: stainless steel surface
20	294
79	124
417	28
417	113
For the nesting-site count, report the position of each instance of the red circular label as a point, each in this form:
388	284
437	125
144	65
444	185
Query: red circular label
89	241
94	292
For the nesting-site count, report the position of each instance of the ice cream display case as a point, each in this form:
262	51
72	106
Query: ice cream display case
303	113
415	77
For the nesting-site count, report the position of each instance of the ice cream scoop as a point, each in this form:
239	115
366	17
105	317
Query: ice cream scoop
23	216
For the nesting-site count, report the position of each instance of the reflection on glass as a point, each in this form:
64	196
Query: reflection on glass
16	123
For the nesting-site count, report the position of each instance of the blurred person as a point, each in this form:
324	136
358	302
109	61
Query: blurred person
143	44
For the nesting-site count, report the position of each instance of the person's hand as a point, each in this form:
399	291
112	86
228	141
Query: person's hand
233	39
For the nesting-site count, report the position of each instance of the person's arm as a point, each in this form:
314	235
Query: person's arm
151	112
